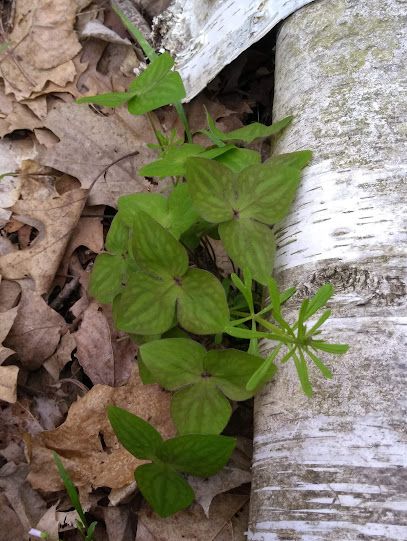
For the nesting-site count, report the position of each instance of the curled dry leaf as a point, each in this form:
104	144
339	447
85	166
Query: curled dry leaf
6	322
55	218
86	442
90	143
105	355
191	524
36	330
206	489
8	383
43	44
97	30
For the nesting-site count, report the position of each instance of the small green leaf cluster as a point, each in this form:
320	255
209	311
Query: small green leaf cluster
151	276
85	529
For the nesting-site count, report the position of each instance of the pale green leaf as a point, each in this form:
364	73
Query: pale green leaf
202	304
264	373
197	454
238	159
302	371
266	192
135	434
117	240
163	488
297	160
155	250
325	371
181	212
155	72
200	409
174	362
145	306
172	162
169	90
211	188
154	204
255	130
230	370
250	244
319	300
107	277
338	349
110	99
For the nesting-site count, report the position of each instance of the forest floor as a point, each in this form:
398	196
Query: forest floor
61	360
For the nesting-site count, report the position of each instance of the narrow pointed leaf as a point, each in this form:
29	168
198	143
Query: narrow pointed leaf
145	306
250	244
256	130
197	454
70	488
200	409
326	315
110	99
230	370
163	488
107	277
202	304
321	366
339	349
155	249
266	192
302	371
135	434
264	373
319	300
211	189
174	362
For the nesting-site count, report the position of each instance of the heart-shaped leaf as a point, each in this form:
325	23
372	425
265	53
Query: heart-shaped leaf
200	409
198	454
298	159
154	204
238	159
117	240
163	488
181	212
251	246
172	161
202	303
136	435
107	277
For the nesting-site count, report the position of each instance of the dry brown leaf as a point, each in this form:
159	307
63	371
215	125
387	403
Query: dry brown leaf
97	30
191	524
8	383
55	218
43	44
86	442
49	523
6	322
90	143
236	528
206	489
36	330
11	527
105	355
119	524
54	364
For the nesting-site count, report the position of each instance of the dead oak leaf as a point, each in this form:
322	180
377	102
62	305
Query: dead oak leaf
8	383
55	218
89	143
6	322
36	330
86	442
105	354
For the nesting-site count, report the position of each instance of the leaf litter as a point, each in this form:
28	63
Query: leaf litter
61	360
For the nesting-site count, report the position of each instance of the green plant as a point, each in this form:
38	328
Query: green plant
85	529
150	274
160	481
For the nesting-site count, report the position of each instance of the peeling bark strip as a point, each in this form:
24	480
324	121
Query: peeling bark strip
206	35
334	467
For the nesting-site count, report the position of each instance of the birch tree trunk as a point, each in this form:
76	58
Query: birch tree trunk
333	468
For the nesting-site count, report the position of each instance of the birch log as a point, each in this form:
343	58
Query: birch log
333	468
206	35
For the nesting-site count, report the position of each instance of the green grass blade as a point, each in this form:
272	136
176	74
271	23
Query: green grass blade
70	488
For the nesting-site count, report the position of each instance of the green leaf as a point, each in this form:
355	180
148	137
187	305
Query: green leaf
198	454
155	249
251	245
163	488
326	315
117	240
136	435
202	304
266	193
238	159
154	204
107	276
298	160
211	189
170	89
255	130
264	373
338	349
302	371
145	306
135	32
230	370
146	376
110	99
214	152
182	214
321	366
90	531
70	488
319	300
155	72
200	409
174	362
172	162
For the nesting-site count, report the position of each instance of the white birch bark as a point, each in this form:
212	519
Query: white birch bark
206	35
333	468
